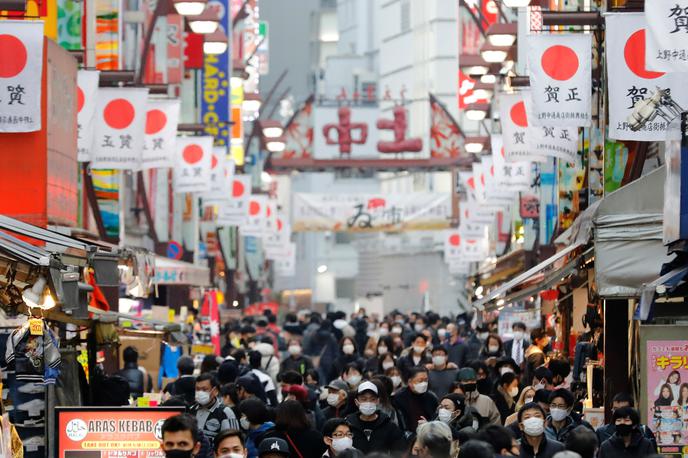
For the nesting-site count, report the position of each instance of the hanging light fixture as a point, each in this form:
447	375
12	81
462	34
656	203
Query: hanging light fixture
475	145
473	64
516	3
477	111
275	145
215	43
493	54
189	7
252	102
271	128
205	23
502	33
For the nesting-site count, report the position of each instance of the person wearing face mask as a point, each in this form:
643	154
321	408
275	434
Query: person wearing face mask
383	348
456	348
415	403
394	375
373	431
254	423
352	375
230	444
212	416
542	379
337	436
468	381
492	350
561	369
620	400
180	437
296	361
337	400
452	411
516	347
560	421
534	442
527	395
416	356
535	354
476	341
348	355
505	394
442	373
293	426
628	441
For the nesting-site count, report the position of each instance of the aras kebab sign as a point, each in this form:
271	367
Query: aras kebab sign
111	432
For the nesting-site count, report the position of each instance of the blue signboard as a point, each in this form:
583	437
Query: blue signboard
217	70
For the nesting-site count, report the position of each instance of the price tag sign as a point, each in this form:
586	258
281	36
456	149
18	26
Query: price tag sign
36	327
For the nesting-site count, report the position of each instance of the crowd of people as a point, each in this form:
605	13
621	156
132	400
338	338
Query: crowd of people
416	385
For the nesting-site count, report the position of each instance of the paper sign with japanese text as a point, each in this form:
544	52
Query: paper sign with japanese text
233	212
560	79
256	216
275	242
21	66
495	196
459	267
86	94
474	250
285	265
119	124
221	177
515	132
161	133
667	36
626	38
452	245
192	164
512	176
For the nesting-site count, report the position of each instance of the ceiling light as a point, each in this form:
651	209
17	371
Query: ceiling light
475	145
479	290
322	269
271	128
251	103
516	3
473	64
494	54
477	111
189	7
488	78
204	23
215	43
275	145
500	302
502	34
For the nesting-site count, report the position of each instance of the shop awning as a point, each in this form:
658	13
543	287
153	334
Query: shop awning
173	272
666	282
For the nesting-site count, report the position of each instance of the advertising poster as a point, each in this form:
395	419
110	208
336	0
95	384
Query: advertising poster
216	91
509	316
109	432
667	393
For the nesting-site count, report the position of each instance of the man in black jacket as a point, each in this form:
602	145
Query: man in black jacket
607	431
415	403
534	443
185	385
627	441
139	381
373	430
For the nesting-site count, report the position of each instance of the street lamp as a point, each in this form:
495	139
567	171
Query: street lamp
475	145
271	128
215	43
472	64
477	111
205	23
493	54
252	103
275	145
189	7
502	33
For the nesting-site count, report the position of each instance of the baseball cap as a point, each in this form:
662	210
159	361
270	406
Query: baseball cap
273	445
338	384
367	386
467	373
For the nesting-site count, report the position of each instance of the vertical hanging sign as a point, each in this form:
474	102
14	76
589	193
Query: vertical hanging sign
193	162
86	92
21	66
161	133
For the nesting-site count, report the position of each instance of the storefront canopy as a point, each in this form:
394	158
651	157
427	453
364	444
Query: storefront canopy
172	272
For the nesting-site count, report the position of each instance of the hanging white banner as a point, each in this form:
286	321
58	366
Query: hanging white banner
474	250
192	164
512	176
270	218
233	212
459	267
479	180
221	177
21	66
371	212
161	133
86	94
452	245
631	81
495	196
119	125
471	230
285	264
550	141
667	35
274	243
256	216
560	79
515	132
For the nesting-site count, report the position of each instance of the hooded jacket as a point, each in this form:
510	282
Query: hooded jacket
548	448
269	361
380	435
412	406
484	406
639	447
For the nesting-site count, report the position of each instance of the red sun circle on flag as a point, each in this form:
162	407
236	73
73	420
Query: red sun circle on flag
237	188
119	113
253	208
213	162
13	54
155	121
634	55
280	225
502	152
192	154
455	240
559	62
79	99
518	114
268	212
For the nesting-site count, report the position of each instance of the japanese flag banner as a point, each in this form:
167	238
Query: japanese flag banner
275	242
515	133
560	79
256	216
459	267
467	184
192	164
233	212
495	196
479	180
550	141
469	229
452	245
270	218
512	176
161	133
474	250
626	49
119	125
667	35
220	179
285	264
86	94
21	66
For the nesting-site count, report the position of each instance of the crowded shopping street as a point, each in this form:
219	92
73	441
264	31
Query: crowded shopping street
343	229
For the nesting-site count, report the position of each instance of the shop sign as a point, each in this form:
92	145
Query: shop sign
86	93
551	140
119	123
193	160
256	216
515	132
508	316
560	79
667	394
452	245
162	118
111	431
371	212
175	28
626	50
667	36
21	48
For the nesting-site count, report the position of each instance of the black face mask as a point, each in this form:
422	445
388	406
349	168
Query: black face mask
469	387
484	386
624	430
178	453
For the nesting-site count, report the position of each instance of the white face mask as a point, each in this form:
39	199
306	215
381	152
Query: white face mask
383	331
342	443
397	330
367	408
421	387
333	399
245	424
396	380
294	350
387	365
418	349
518	335
493	348
233	455
558	414
534	426
439	360
539	386
382	350
354	380
483	335
513	392
505	370
202	397
527	400
418	327
348	349
444	415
